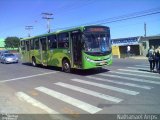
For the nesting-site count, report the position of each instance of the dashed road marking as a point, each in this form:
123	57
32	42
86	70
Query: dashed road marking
89	92
139	68
75	102
122	83
129	78
31	76
136	71
34	102
146	76
129	92
146	66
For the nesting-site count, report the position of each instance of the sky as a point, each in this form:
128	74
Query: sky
16	14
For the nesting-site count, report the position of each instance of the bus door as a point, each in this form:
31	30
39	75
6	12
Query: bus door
23	50
76	48
27	51
43	50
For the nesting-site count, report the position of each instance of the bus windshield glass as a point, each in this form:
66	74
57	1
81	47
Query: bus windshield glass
96	42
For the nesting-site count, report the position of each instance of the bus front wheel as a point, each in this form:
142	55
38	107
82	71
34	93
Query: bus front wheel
34	62
66	67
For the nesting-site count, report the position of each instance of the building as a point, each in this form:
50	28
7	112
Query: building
119	46
148	41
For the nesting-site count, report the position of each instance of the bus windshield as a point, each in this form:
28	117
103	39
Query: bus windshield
96	42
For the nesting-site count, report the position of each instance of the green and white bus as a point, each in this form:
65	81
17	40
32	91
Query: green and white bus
84	47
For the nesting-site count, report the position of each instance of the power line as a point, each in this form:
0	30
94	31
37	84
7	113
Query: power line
122	18
131	17
131	14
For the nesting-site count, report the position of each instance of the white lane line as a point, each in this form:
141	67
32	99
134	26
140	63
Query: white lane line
139	68
147	76
31	76
34	102
75	102
136	71
129	78
146	66
89	92
107	87
122	83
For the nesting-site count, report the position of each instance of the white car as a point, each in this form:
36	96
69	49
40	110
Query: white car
9	58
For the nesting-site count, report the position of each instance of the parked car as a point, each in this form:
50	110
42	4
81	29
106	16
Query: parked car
9	58
2	52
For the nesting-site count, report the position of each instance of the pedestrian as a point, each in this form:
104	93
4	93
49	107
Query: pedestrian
151	59
156	59
159	60
128	50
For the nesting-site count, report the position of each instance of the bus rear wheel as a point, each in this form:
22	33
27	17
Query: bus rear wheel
66	67
34	62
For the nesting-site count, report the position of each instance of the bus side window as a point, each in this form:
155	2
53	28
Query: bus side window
43	43
52	41
32	44
63	40
36	43
22	45
27	45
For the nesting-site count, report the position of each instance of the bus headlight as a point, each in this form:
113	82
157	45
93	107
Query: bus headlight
87	59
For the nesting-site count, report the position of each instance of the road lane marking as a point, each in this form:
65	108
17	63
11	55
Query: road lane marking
146	66
34	102
75	102
121	83
89	92
139	68
107	87
147	76
129	78
137	71
31	76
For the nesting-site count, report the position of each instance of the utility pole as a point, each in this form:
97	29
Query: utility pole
145	29
29	28
48	17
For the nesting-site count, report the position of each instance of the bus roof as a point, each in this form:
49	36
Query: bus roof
62	31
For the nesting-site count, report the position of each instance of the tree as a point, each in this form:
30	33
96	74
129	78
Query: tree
12	42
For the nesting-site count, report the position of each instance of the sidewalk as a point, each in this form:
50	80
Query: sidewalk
10	104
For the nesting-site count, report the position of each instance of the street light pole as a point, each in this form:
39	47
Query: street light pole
29	28
48	17
145	29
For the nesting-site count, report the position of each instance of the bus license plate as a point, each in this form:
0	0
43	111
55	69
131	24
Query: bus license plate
102	63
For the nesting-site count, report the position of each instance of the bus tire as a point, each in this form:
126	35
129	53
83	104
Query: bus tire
34	62
66	67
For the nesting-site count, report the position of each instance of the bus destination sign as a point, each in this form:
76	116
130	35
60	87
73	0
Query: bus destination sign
96	29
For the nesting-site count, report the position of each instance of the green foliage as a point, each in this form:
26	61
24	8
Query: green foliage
12	42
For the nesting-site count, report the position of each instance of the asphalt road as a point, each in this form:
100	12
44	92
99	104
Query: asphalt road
125	87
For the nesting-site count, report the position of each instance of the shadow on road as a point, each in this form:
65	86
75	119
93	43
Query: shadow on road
89	72
73	71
